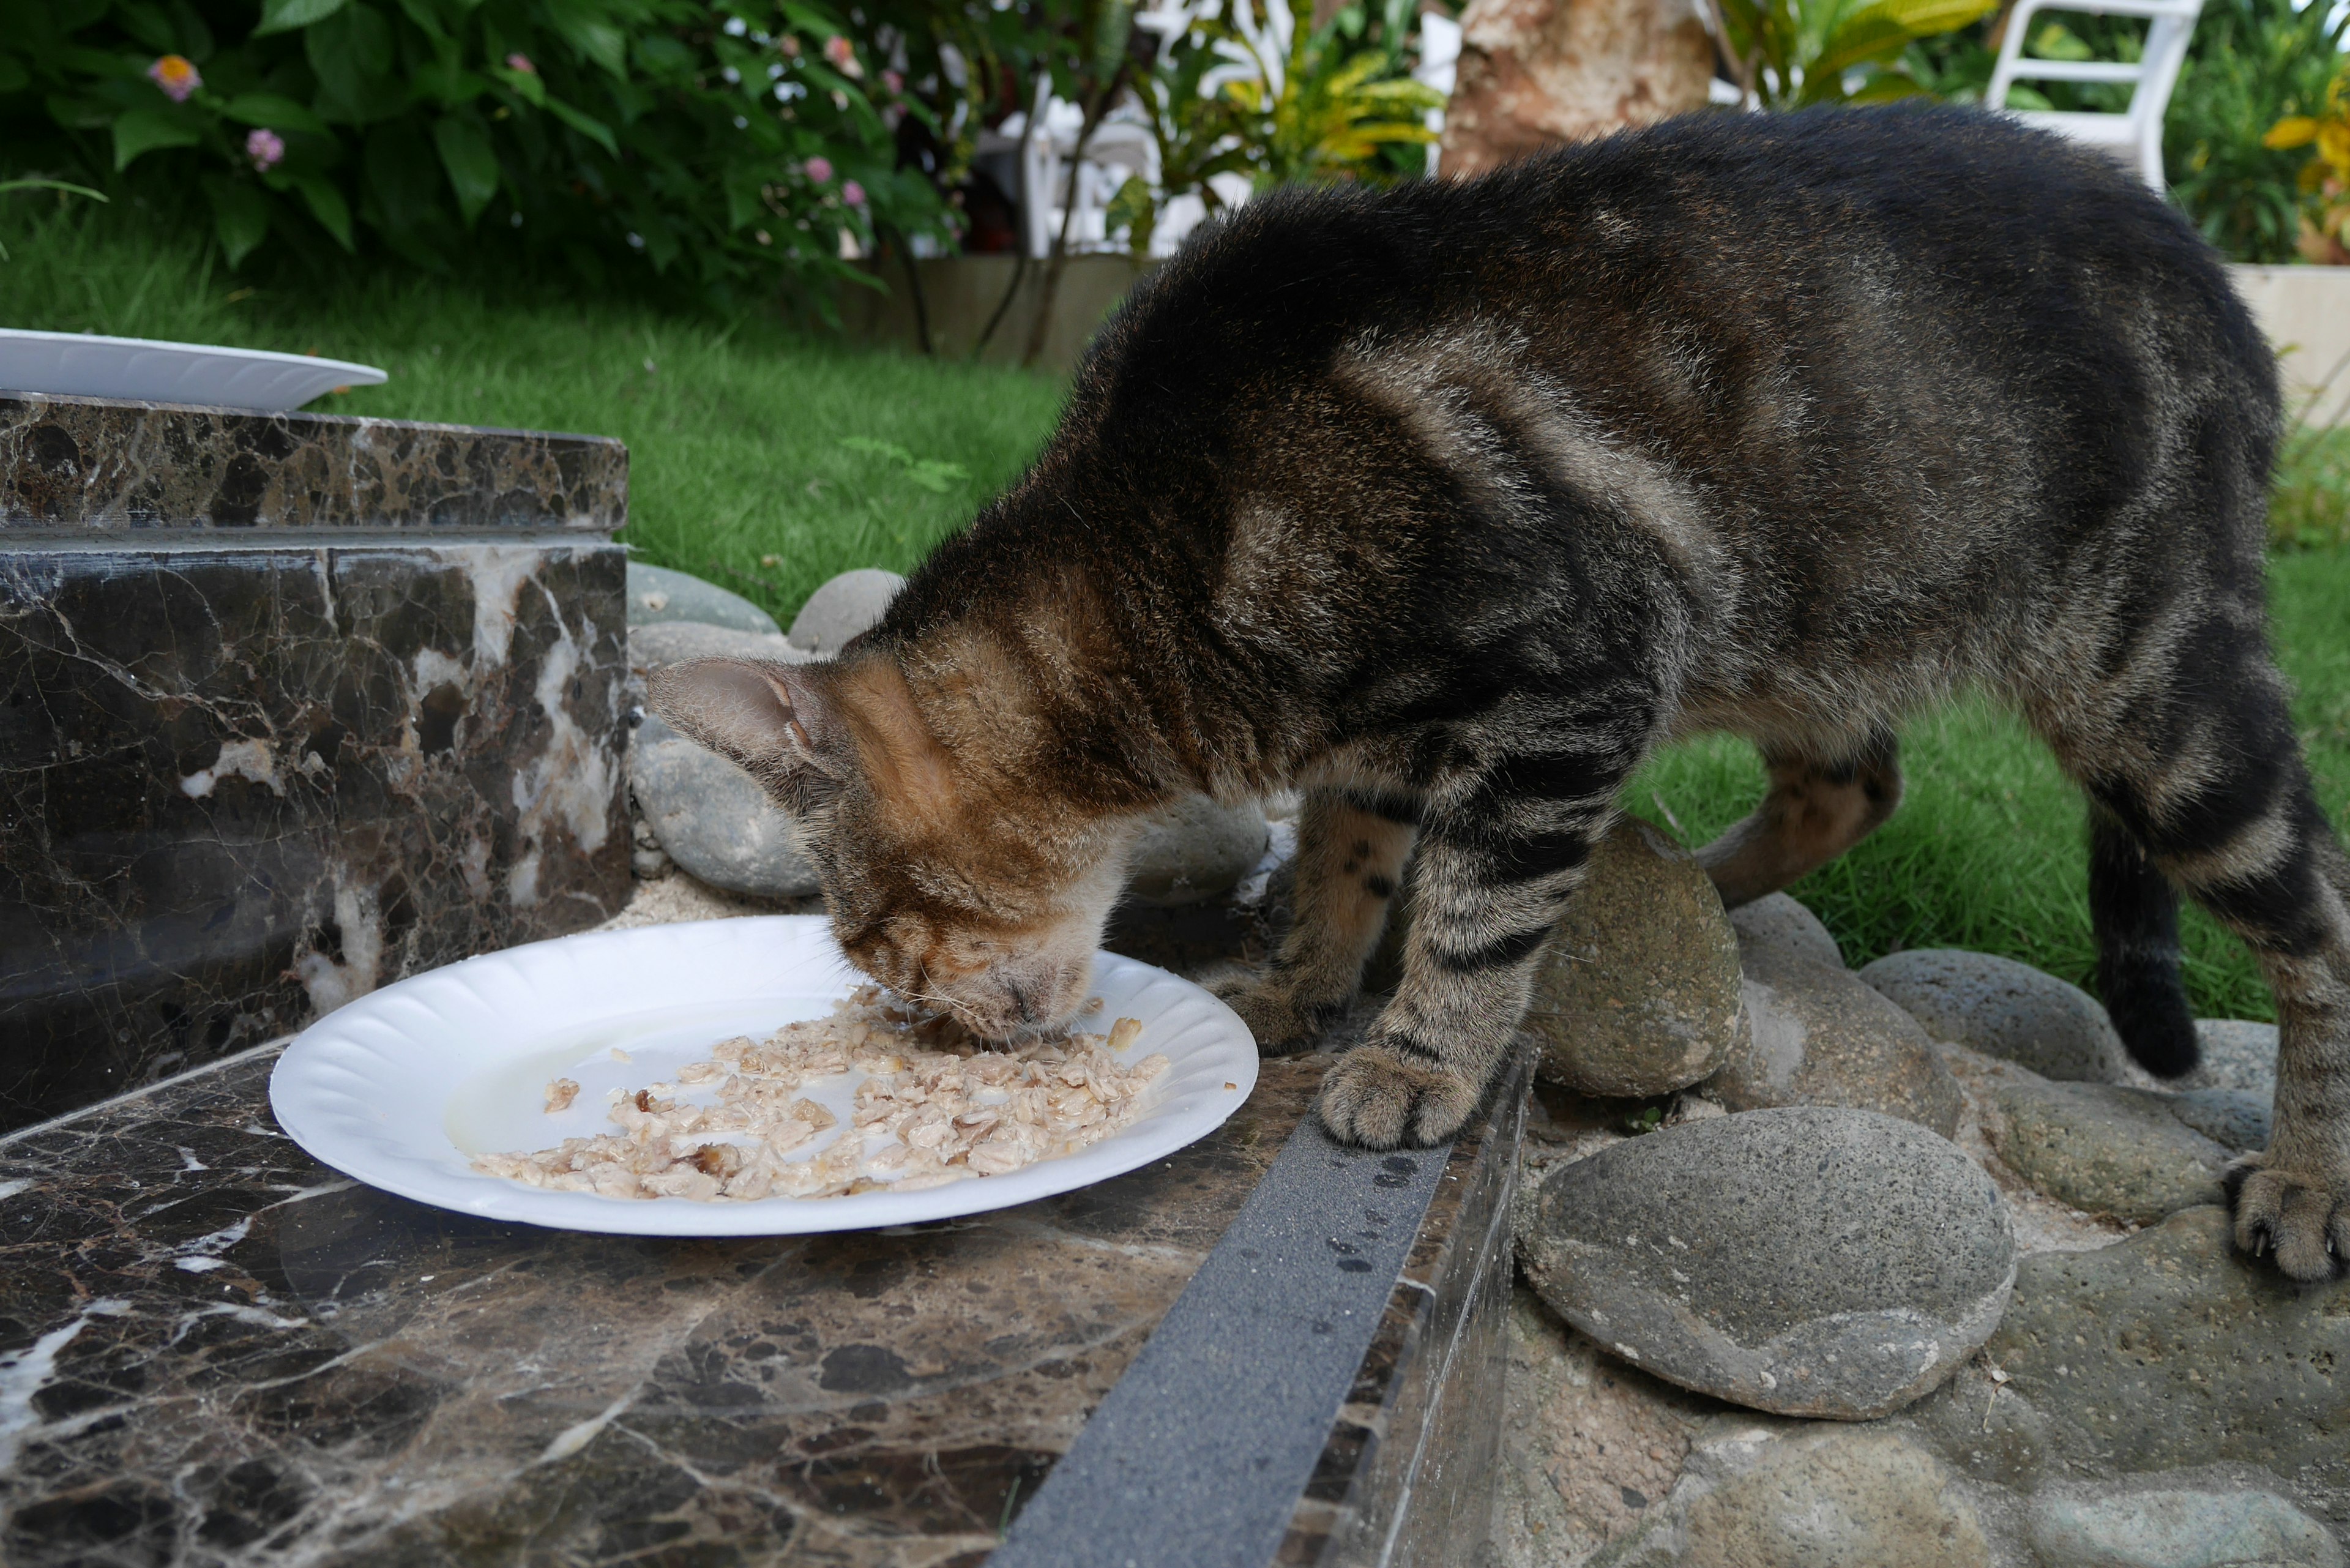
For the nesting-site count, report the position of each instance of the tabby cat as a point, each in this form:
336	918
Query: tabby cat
1451	503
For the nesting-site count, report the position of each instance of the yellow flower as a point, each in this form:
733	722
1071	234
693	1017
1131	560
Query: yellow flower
2293	130
177	76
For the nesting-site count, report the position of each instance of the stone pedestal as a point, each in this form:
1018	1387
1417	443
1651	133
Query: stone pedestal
291	706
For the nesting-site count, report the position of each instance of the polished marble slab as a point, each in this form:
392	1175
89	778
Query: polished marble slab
214	1351
90	463
260	755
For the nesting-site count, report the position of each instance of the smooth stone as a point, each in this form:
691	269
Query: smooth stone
2107	1149
658	594
2167	1350
1817	1036
2129	1524
850	603
713	818
1637	989
1809	1260
1195	850
2237	1053
675	642
1846	1498
1776	924
2003	1009
2230	1117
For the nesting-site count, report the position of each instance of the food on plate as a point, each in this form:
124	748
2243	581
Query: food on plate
560	1093
951	1106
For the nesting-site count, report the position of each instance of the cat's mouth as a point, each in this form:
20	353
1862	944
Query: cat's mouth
1016	1001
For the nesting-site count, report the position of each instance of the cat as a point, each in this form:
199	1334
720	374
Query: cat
1451	503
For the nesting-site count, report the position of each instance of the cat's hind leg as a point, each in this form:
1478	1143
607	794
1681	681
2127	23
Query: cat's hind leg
2134	910
1816	809
2200	768
1351	848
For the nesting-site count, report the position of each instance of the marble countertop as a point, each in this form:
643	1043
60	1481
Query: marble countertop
76	465
220	1351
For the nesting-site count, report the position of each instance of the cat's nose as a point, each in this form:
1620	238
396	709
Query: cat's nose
1020	1000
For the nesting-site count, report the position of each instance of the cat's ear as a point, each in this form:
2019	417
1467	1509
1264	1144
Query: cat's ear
777	720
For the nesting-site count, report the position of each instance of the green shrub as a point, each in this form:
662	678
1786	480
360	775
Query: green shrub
728	143
2309	507
2254	63
2250	64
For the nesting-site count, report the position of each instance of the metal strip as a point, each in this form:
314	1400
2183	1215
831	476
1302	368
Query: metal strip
1196	1458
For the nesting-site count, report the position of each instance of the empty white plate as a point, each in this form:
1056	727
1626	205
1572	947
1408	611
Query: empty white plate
405	1087
140	370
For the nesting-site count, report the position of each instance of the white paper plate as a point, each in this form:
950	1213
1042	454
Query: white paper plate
404	1087
138	369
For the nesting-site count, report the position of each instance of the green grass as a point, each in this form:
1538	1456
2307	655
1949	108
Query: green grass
2310	508
749	441
760	457
1989	849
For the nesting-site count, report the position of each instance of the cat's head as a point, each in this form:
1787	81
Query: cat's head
948	879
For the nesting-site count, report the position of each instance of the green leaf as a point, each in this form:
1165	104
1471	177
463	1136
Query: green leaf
1870	35
35	183
928	473
471	164
351	52
79	113
195	34
268	108
1890	87
14	76
587	125
148	24
450	83
426	21
327	206
240	215
284	16
2058	42
597	41
523	84
144	131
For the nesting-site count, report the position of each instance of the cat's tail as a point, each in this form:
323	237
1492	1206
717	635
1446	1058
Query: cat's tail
2134	910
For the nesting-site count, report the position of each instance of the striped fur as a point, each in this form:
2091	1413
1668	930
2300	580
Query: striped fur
1451	503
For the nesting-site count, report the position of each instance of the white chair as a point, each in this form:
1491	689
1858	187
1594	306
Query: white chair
2134	133
1051	180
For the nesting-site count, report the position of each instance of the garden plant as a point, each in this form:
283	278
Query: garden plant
585	217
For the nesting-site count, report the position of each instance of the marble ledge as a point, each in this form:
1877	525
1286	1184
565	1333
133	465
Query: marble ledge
222	1353
126	467
241	785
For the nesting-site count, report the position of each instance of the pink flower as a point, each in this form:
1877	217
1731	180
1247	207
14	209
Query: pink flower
521	62
177	76
853	193
818	169
791	47
841	53
265	148
893	81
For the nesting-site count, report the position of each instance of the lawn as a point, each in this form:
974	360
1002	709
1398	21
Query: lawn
764	459
769	459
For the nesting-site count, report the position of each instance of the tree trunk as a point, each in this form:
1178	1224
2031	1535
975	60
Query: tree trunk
1537	74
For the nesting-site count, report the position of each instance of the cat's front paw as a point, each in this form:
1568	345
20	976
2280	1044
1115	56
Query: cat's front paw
2300	1218
1376	1097
1280	1022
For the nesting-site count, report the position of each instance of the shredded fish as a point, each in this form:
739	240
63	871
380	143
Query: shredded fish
948	1106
